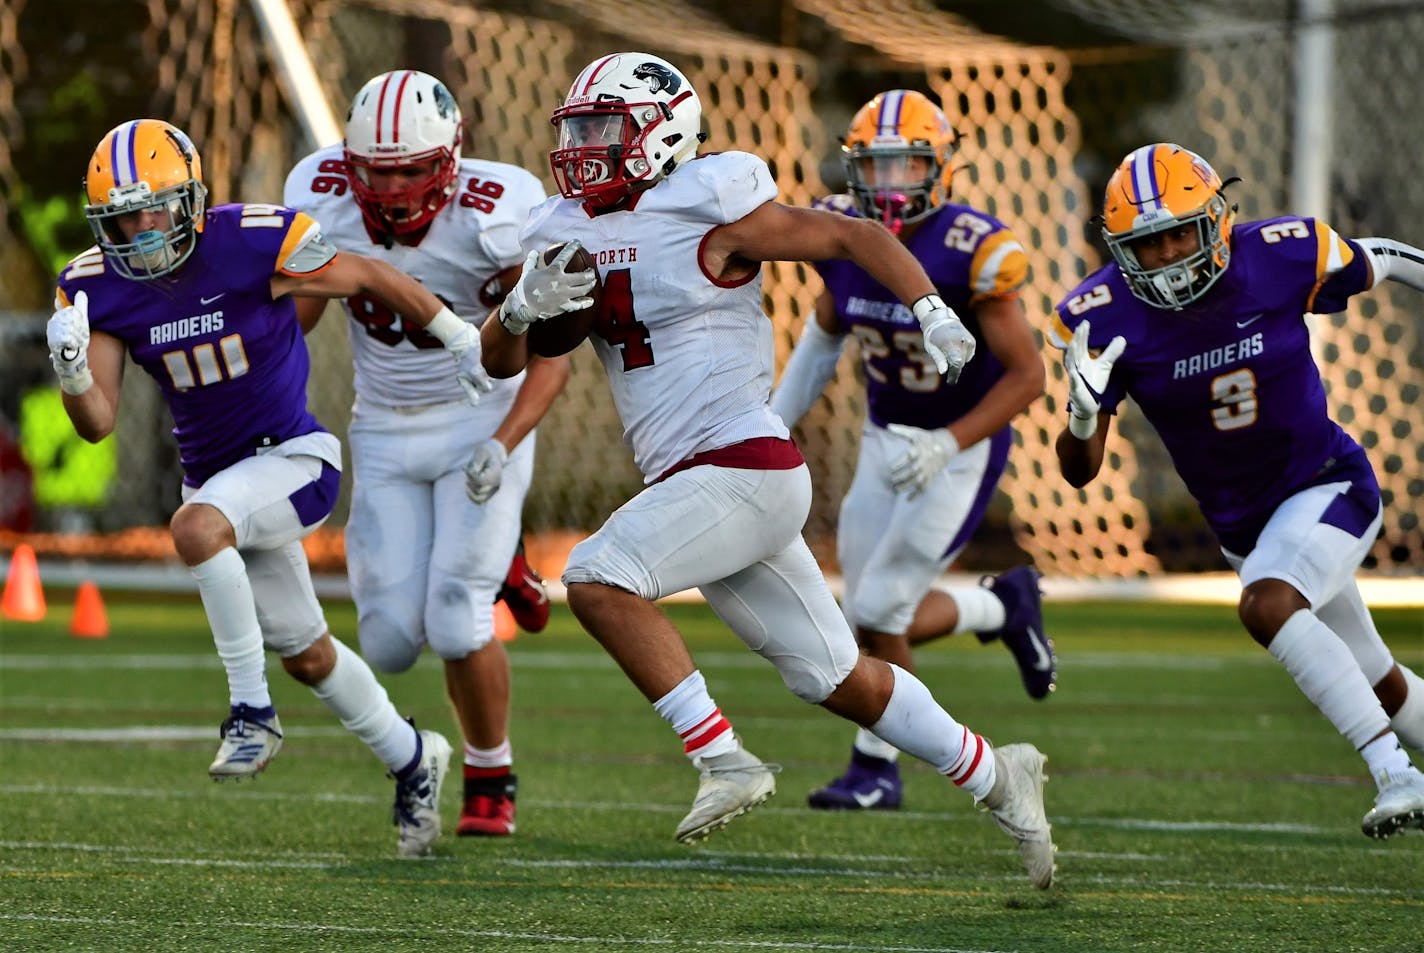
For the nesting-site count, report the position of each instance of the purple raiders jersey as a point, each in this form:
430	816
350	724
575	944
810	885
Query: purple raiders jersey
1229	383
969	256
230	361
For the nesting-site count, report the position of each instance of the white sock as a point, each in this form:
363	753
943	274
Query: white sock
1384	756
1408	722
232	615
690	710
500	757
867	743
352	692
915	723
1328	675
979	610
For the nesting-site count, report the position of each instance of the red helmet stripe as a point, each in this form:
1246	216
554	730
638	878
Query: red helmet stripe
395	107
594	70
400	96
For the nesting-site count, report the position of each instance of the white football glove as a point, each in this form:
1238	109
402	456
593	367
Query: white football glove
485	470
947	340
68	335
1087	378
928	453
464	346
544	291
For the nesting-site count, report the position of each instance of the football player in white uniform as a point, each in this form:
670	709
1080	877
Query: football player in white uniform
678	242
439	485
930	454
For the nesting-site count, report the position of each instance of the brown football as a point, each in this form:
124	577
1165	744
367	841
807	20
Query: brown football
560	335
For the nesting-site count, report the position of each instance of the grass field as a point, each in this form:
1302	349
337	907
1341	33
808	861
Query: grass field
1199	803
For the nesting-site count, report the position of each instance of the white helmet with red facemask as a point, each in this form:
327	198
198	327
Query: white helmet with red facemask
629	120
401	119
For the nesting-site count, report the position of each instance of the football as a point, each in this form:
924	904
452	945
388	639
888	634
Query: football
560	335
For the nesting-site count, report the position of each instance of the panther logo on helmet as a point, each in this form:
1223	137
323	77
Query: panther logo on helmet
614	138
658	77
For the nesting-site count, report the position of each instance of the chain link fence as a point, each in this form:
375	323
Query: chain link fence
1044	119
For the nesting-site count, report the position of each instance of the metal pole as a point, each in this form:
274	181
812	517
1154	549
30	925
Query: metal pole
299	78
1312	157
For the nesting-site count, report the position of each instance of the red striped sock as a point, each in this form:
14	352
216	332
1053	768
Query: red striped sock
975	761
701	737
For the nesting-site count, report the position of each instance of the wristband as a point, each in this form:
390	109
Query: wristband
447	326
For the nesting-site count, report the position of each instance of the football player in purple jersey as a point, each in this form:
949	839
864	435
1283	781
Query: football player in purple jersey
202	299
1200	320
931	453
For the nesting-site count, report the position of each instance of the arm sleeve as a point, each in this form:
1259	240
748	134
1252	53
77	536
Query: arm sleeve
812	365
1394	260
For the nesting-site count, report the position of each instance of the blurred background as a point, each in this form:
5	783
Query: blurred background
1313	103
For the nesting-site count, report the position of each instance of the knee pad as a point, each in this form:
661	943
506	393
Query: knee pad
882	607
385	644
813	680
455	626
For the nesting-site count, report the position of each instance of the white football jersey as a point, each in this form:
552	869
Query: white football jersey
473	238
690	360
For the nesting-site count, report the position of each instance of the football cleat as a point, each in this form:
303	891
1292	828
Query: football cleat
870	783
1023	631
1018	791
731	785
524	593
251	737
1399	804
489	807
417	806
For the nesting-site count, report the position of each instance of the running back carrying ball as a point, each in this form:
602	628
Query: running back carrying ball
562	280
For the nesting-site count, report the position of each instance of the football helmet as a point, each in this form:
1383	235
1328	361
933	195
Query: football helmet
629	120
896	154
139	166
401	119
1158	188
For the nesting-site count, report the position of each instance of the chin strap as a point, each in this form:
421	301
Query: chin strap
1394	260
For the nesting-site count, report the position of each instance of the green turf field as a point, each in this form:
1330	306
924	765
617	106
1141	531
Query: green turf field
1198	801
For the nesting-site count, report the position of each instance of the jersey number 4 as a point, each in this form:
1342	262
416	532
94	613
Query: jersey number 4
617	321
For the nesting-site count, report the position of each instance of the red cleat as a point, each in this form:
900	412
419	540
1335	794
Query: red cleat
523	592
489	803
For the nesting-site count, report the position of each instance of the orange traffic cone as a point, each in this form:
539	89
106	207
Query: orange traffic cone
90	620
24	599
505	628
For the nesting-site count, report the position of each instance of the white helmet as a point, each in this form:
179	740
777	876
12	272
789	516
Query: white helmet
629	120
397	120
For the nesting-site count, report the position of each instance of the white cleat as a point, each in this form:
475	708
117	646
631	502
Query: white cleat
1399	804
1018	789
417	805
249	741
732	784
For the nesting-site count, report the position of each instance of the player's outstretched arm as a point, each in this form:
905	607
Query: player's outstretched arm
1394	260
348	274
776	232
